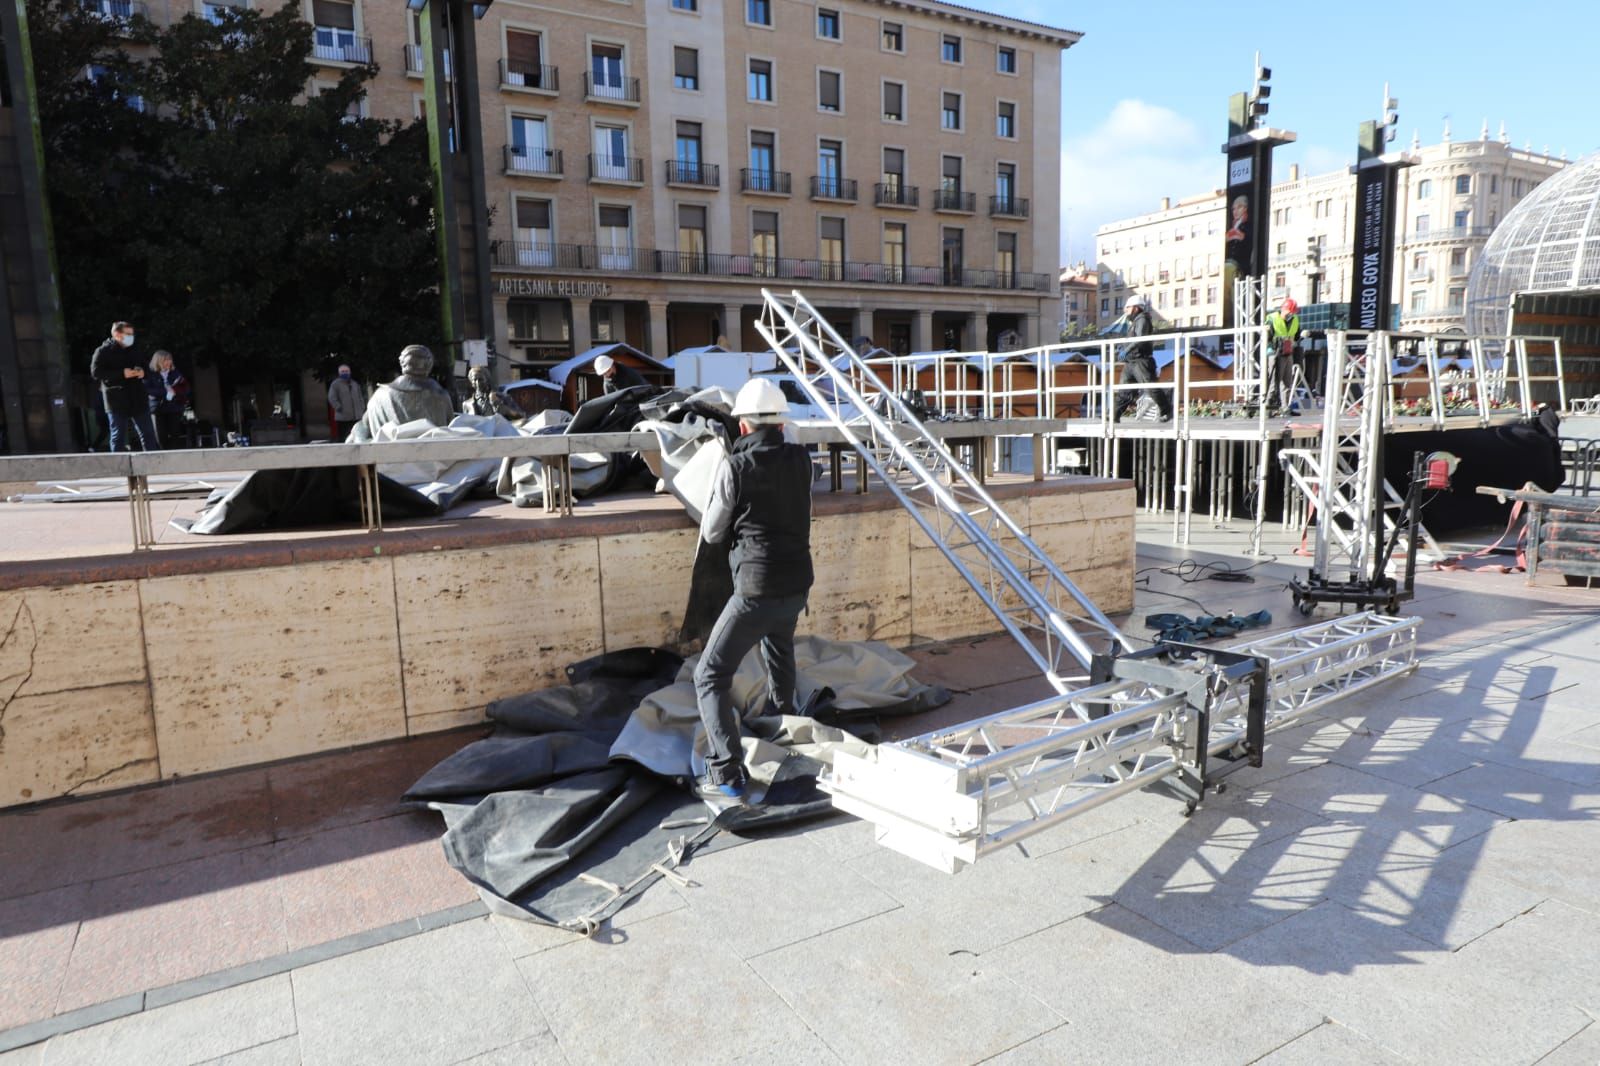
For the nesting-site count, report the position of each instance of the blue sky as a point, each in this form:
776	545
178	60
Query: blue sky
1145	92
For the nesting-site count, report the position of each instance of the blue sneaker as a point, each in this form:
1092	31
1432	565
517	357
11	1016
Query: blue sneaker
725	793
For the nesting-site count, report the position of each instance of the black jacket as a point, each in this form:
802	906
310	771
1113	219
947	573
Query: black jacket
626	377
1139	325
771	505
123	396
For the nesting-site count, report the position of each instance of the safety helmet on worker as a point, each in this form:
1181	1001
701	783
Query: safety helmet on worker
1289	306
1135	301
758	398
603	364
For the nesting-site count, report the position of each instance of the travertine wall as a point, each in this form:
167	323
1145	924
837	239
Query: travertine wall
121	683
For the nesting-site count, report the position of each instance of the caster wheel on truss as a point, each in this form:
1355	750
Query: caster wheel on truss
1391	607
1189	808
1304	605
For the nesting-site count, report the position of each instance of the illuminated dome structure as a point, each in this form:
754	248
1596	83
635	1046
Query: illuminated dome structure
1539	273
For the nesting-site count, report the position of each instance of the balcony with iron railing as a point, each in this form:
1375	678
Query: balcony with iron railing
693	172
117	12
533	162
1450	233
895	194
769	182
831	187
611	259
622	92
955	201
529	77
1008	207
617	169
328	46
416	61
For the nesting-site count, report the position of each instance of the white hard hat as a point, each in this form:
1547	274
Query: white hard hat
603	363
760	396
1136	300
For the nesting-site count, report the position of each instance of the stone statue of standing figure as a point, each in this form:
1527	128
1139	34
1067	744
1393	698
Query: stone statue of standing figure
486	399
410	396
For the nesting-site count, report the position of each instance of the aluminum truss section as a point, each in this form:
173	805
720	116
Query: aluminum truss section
950	797
1034	601
1332	496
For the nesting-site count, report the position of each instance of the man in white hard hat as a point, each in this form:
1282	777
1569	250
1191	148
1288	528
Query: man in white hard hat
1139	362
761	505
615	376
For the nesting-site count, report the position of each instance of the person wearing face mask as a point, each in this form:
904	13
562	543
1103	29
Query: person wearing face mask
348	403
120	371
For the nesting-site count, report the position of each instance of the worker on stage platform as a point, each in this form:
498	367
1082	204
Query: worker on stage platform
1285	326
761	505
1139	362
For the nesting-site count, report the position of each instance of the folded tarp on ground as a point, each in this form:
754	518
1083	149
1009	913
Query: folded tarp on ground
297	498
557	817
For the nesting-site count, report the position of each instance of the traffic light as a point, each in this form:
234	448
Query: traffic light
1259	93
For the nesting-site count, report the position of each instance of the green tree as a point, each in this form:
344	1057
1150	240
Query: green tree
205	188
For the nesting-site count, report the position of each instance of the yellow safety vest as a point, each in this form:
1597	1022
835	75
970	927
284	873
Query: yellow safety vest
1283	328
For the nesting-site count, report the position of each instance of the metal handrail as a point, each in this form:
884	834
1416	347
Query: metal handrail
516	74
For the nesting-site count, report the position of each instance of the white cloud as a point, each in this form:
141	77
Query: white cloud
1126	164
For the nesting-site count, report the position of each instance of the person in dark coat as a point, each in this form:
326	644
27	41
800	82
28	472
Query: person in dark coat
761	505
1139	364
615	375
119	369
169	398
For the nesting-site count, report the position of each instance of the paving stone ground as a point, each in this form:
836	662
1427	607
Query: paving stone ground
1413	877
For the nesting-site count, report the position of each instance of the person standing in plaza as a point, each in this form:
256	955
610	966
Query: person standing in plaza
348	403
761	506
169	398
120	371
1139	363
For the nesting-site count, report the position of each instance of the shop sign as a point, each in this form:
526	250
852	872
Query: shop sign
551	287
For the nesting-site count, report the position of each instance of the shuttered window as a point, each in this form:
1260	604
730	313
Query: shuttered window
333	14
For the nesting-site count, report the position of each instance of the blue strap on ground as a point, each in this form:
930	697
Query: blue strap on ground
1185	630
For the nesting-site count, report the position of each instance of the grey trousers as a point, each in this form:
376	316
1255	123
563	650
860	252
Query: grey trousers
744	622
1141	370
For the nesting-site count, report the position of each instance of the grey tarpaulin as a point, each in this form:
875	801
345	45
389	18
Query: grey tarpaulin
296	498
557	816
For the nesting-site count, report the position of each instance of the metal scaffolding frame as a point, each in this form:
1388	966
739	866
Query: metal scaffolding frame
950	797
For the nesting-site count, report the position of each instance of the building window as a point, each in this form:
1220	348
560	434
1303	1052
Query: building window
950	115
1458	261
1161	298
830	169
758	86
1105	305
691	238
1463	184
1419	301
524	56
894	37
1280	280
530	145
952	256
1006	60
950	176
1419	262
1211	294
1458	298
828	23
686	153
1280	248
1494	184
686	5
950	48
1424	188
686	69
615	233
605	62
1288	214
758	12
1006	121
894	101
894	170
1462	218
828	91
1005	258
1194	297
534	233
894	251
1422	225
334	35
1177	297
611	153
764	242
763	162
832	249
1005	187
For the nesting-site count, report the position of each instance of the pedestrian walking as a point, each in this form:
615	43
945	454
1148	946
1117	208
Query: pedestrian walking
761	505
119	369
349	403
169	399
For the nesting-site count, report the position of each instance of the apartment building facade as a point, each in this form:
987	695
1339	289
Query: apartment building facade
652	164
1448	204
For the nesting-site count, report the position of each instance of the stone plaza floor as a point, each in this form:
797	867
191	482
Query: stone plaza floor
1412	877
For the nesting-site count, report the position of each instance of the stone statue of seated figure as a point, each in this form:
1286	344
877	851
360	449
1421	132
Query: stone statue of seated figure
410	396
486	399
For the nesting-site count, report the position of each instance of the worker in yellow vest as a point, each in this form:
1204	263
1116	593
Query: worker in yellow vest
1285	325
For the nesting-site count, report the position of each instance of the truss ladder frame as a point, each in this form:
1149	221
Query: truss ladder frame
961	519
